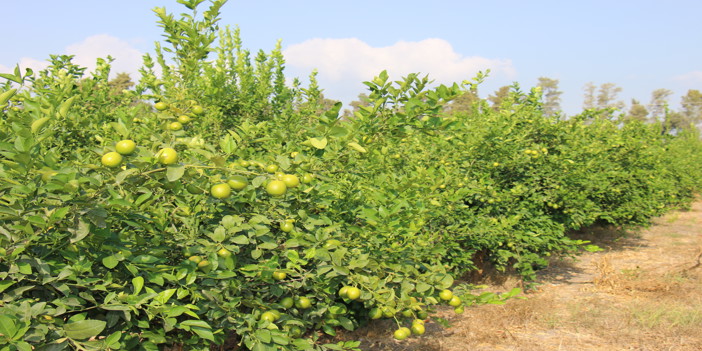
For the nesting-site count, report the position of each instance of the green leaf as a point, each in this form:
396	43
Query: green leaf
5	96
264	335
138	283
240	240
446	281
338	132
115	307
422	287
195	323
112	341
23	346
593	248
66	105
319	143
14	78
346	323
333	113
203	333
60	213
256	182
110	261
82	231
227	144
165	295
24	268
121	176
280	339
7	326
218	235
84	329
174	172
4	284
38	124
302	344
142	198
268	245
357	147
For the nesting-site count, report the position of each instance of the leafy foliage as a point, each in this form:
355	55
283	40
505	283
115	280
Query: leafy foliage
267	216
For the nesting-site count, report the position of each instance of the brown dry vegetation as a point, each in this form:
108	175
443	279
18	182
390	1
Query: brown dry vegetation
642	292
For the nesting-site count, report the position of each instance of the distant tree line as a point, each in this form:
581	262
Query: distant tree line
602	97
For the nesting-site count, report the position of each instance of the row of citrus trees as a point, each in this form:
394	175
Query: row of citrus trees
213	202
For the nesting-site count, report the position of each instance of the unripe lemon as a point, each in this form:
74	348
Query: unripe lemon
276	188
125	147
303	303
111	159
184	119
167	156
353	293
269	316
446	295
272	168
307	178
278	275
286	226
160	106
287	302
224	253
221	190
455	301
402	333
418	329
175	126
290	180
198	110
238	182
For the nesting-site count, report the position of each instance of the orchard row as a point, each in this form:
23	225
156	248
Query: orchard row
213	203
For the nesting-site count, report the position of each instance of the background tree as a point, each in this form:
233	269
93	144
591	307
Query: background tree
551	95
356	105
607	96
463	103
637	111
658	107
498	96
692	106
604	97
589	96
121	82
689	116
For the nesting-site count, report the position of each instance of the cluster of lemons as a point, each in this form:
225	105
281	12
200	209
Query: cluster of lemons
278	186
417	326
112	159
122	148
182	119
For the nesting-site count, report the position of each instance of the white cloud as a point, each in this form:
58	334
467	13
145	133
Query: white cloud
694	77
343	64
24	63
86	52
127	58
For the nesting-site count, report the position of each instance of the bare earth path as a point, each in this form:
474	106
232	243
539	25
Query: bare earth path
643	292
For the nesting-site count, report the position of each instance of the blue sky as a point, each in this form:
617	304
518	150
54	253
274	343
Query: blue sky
638	45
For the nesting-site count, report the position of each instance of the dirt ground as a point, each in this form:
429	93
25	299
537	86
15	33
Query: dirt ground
642	292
